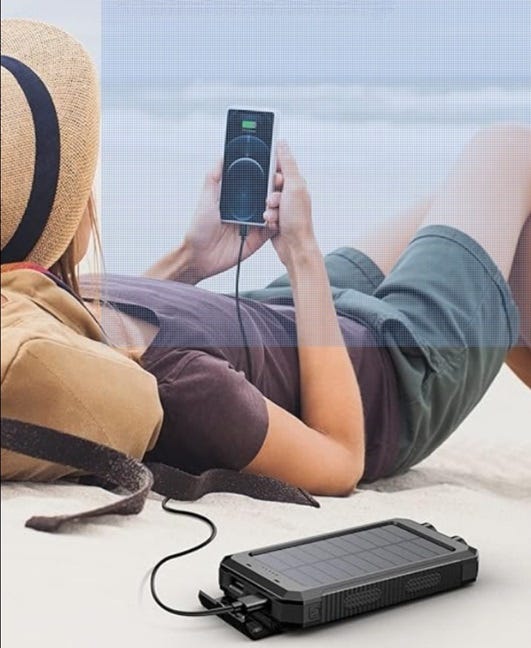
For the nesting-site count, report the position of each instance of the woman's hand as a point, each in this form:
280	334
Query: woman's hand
212	244
289	213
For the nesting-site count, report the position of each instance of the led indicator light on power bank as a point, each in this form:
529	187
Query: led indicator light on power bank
247	124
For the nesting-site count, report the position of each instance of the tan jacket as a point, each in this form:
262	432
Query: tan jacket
57	372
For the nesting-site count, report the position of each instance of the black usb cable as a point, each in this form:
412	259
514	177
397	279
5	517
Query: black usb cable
243	235
245	603
242	604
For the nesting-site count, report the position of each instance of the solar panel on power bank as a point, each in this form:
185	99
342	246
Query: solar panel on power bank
349	555
324	578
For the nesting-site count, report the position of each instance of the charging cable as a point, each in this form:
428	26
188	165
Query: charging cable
213	532
243	236
246	603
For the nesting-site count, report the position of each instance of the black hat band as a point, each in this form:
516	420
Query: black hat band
47	159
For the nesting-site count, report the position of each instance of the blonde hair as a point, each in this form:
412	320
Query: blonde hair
67	269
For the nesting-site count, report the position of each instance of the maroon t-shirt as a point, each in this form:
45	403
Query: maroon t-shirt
214	416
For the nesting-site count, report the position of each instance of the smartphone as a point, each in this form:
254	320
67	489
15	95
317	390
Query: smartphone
249	165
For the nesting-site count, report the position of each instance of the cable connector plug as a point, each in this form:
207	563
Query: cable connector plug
250	603
243	231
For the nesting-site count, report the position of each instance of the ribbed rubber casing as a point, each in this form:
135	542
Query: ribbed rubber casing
341	605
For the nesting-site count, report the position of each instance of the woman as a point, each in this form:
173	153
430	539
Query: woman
354	375
337	426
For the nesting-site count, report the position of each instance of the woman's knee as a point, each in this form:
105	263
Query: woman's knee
504	134
503	151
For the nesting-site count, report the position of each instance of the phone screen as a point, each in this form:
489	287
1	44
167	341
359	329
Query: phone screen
246	162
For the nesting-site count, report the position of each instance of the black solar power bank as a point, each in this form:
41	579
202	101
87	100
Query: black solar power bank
328	577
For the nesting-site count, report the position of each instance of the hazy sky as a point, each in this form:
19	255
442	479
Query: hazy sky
302	41
299	40
158	144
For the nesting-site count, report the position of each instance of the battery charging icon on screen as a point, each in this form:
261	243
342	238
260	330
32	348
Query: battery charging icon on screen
248	124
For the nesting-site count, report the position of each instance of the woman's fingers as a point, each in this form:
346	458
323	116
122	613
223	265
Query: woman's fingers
271	215
271	211
216	171
212	185
273	200
279	180
271	218
287	164
214	175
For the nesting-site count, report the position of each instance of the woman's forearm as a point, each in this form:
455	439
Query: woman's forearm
330	395
177	265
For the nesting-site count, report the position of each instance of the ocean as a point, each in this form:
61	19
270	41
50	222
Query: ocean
366	151
376	99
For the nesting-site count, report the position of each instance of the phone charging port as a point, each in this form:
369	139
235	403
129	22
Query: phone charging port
235	589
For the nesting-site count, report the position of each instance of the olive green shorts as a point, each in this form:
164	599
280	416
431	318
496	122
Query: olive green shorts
445	314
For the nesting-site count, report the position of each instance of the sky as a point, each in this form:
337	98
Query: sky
303	40
360	40
372	84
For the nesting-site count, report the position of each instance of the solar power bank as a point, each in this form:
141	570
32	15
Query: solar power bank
342	574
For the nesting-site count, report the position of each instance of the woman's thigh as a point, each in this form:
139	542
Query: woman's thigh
385	240
487	193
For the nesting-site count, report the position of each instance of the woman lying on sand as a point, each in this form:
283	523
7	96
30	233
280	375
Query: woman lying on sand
363	361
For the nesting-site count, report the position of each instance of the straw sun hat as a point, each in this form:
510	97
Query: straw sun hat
50	135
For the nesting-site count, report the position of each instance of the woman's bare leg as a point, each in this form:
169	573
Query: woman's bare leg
487	195
387	241
488	192
384	248
385	245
